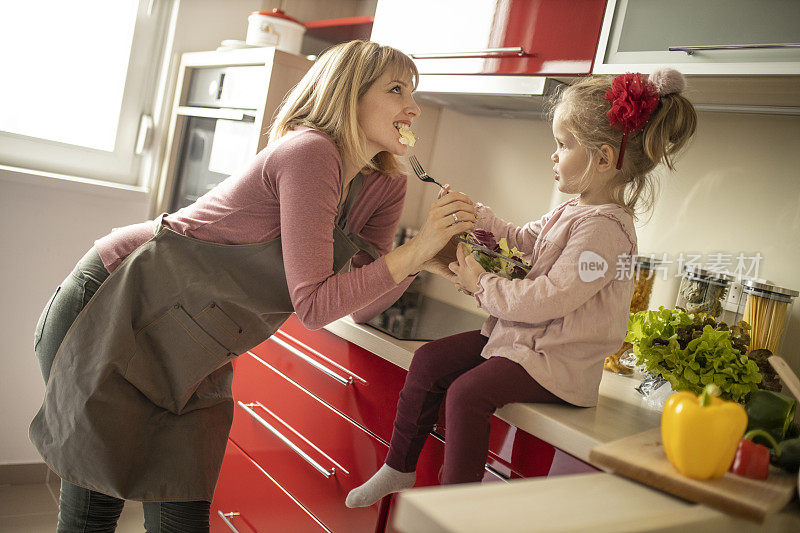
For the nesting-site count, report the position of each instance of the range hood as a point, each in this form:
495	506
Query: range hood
527	96
493	95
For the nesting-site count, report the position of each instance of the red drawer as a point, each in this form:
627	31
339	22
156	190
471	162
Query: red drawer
513	453
253	502
308	427
524	454
319	361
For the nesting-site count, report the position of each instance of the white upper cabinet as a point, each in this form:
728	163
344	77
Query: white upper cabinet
729	37
496	37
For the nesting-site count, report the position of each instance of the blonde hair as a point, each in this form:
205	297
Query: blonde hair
582	107
326	99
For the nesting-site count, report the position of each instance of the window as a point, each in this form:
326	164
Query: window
78	80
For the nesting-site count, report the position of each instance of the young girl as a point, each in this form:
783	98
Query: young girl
136	343
548	333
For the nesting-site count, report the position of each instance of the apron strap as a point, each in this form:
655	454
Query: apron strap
159	221
364	245
352	194
344	223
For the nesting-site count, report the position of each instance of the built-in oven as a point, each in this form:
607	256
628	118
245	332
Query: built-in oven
219	133
223	105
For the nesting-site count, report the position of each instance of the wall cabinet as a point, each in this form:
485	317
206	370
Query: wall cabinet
735	37
313	419
493	37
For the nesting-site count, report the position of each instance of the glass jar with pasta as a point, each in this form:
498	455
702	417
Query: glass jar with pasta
767	310
644	276
703	291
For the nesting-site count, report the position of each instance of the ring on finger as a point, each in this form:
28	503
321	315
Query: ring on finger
455	218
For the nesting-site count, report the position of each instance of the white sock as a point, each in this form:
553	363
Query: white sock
385	481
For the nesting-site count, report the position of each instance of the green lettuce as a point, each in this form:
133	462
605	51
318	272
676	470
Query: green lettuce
692	350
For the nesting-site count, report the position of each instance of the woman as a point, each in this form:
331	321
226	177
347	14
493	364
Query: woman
136	344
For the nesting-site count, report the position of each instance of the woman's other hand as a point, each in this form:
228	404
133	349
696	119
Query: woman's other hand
450	214
466	270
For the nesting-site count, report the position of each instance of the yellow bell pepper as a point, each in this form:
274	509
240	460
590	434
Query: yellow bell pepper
701	433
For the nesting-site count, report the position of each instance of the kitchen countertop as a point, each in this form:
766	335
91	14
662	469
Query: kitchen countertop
600	501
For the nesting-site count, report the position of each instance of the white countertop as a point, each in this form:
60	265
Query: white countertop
597	502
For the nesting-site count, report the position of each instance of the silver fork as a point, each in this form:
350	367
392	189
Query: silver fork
420	172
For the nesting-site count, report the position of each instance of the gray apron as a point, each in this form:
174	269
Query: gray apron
139	404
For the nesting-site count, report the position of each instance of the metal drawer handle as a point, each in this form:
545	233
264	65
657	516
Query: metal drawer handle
228	523
307	458
322	368
309	349
690	50
496	473
514	51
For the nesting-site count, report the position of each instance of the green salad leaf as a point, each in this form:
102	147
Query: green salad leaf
690	350
491	263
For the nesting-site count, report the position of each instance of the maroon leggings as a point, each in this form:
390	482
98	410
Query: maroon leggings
475	388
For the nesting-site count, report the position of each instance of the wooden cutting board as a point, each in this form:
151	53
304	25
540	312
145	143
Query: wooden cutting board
641	457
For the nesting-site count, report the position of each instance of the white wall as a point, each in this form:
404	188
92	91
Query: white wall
47	225
735	190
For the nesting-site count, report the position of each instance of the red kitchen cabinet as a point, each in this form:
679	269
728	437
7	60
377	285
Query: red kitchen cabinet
249	500
310	449
510	37
351	379
313	419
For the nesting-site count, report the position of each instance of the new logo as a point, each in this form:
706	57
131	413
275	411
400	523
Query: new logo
591	266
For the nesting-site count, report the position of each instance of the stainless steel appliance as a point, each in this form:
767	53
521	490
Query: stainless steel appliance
218	131
224	102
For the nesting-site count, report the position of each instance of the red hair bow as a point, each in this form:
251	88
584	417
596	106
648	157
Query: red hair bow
633	99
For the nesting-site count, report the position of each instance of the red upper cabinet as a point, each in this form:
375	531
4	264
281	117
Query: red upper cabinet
510	37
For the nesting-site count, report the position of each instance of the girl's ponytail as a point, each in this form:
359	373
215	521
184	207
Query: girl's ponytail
674	121
660	126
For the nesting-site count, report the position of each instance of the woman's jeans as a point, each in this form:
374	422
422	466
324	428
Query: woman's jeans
83	510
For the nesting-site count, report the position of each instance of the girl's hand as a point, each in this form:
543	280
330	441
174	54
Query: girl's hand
450	214
466	270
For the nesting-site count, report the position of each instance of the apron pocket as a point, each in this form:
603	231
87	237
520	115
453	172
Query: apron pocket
219	325
173	355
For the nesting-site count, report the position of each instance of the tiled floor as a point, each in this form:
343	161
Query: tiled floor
34	509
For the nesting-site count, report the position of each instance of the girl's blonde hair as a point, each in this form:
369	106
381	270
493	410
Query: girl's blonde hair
582	107
326	99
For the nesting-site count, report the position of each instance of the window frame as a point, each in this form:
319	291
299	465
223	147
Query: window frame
142	95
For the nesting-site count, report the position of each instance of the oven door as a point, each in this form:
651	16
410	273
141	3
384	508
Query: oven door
216	143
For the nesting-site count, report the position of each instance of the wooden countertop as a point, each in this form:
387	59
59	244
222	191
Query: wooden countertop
600	502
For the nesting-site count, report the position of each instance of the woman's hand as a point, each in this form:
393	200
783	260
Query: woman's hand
450	214
439	263
466	270
440	268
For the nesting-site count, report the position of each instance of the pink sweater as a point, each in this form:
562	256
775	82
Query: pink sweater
291	190
553	323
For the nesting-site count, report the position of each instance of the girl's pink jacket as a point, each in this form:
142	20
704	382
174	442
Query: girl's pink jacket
571	311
